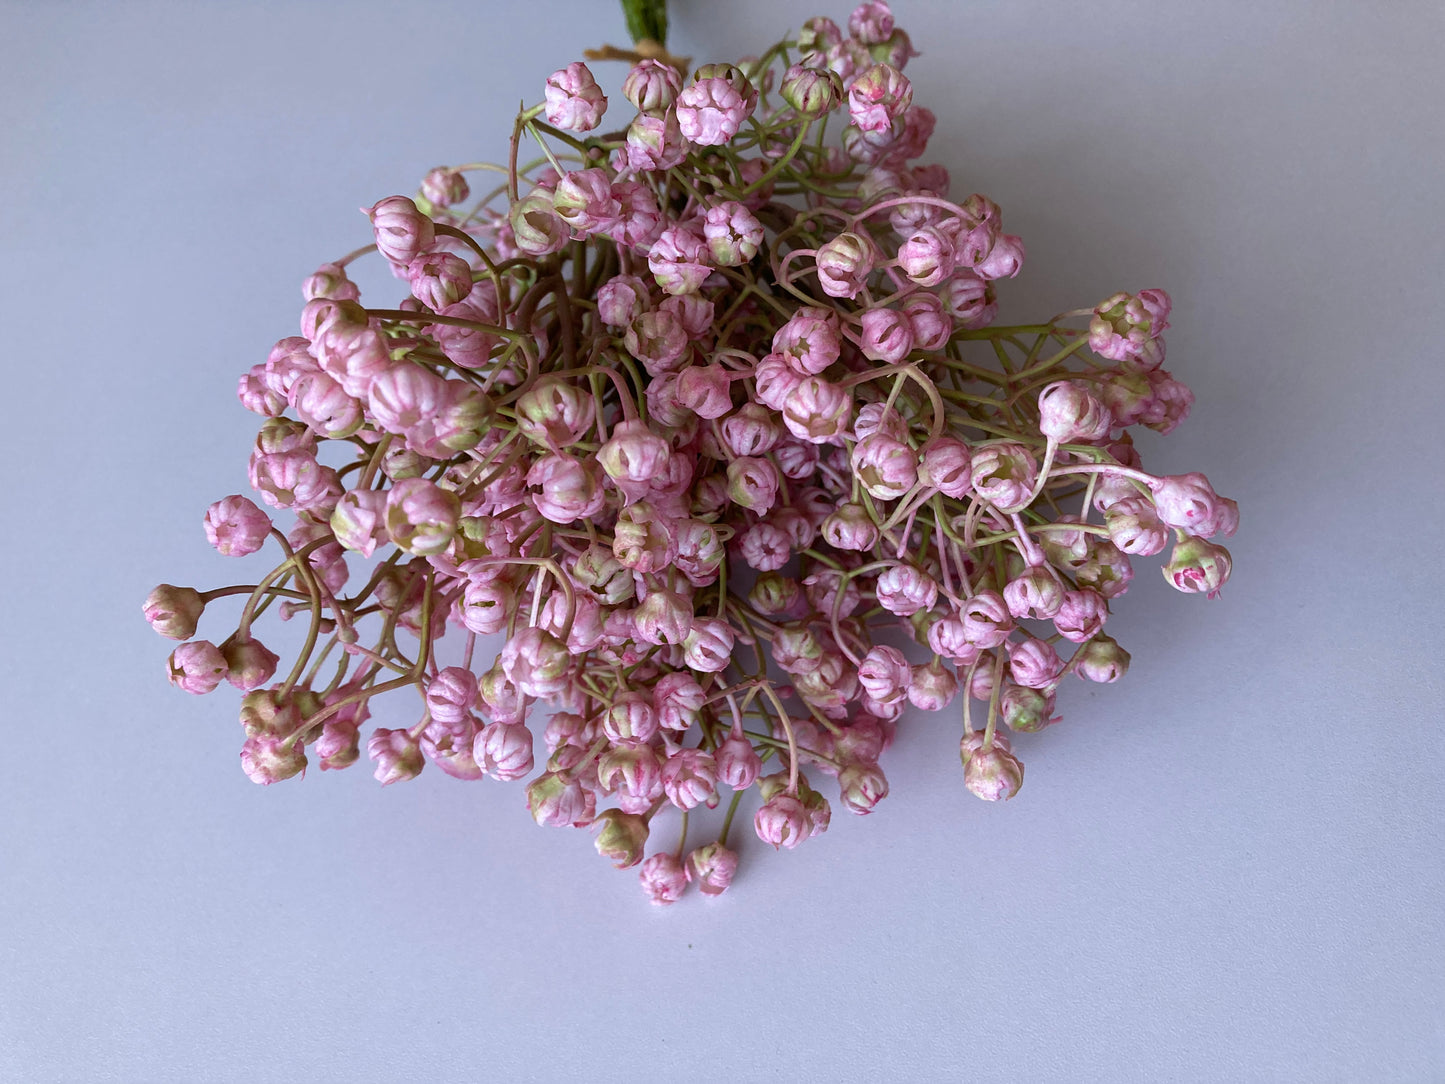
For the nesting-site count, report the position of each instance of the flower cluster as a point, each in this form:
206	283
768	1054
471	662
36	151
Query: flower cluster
708	418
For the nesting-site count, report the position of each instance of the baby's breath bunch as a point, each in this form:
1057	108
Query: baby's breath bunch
708	417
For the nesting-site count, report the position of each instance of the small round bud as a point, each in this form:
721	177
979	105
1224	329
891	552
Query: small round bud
397	754
196	667
574	100
236	526
663	879
1102	660
993	774
712	867
173	611
812	91
621	837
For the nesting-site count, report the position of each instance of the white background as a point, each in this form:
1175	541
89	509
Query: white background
1228	867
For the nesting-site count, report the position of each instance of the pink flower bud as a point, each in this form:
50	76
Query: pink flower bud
196	667
993	774
1003	474
878	97
905	590
322	403
885	674
844	264
621	837
633	453
817	411
968	298
1034	663
930	325
886	336
738	764
421	517
267	760
1196	565
568	489
812	92
236	527
330	281
774	380
485	605
397	755
585	201
709	646
664	617
861	787
849	528
652	85
885	467
621	300
439	279
689	778
829	595
1036	592
536	662
927	256
663	879
796	459
1128	328
537	229
574	100
818	35
1188	502
986	620
706	390
1004	259
655	142
504	750
1069	414
557	802
711	110
631	767
946	637
451	695
712	867
1026	710
947	465
733	234
1102	660
750	432
782	821
933	686
554	413
338	746
753	483
1135	528
642	539
249	663
810	341
1106	570
678	260
1081	616
402	232
174	611
445	187
871	22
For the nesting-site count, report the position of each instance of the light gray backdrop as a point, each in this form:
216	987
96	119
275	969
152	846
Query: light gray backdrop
1226	868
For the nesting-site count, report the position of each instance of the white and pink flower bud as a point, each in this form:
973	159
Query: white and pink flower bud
236	526
485	605
1197	566
946	637
1188	502
1070	414
652	85
849	528
1035	592
738	763
927	256
504	750
993	774
174	611
1101	660
322	403
861	786
1081	616
1003	474
871	23
445	187
810	341
689	779
451	695
947	465
844	264
733	234
404	396
633	453
554	413
621	300
811	92
196	667
397	754
713	867
879	97
567	489
885	674
537	229
658	340
711	110
1129	329
574	101
774	380
885	467
421	517
678	260
1135	528
905	590
267	760
585	201
783	821
817	410
402	232
969	299
664	617
706	390
886	335
663	879
931	326
753	483
709	645
621	837
330	281
932	687
631	767
986	620
655	142
642	539
1034	663
537	662
339	745
558	802
1026	710
439	279
1004	260
249	663
828	594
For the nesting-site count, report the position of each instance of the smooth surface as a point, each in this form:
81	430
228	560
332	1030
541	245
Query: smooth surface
1229	867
